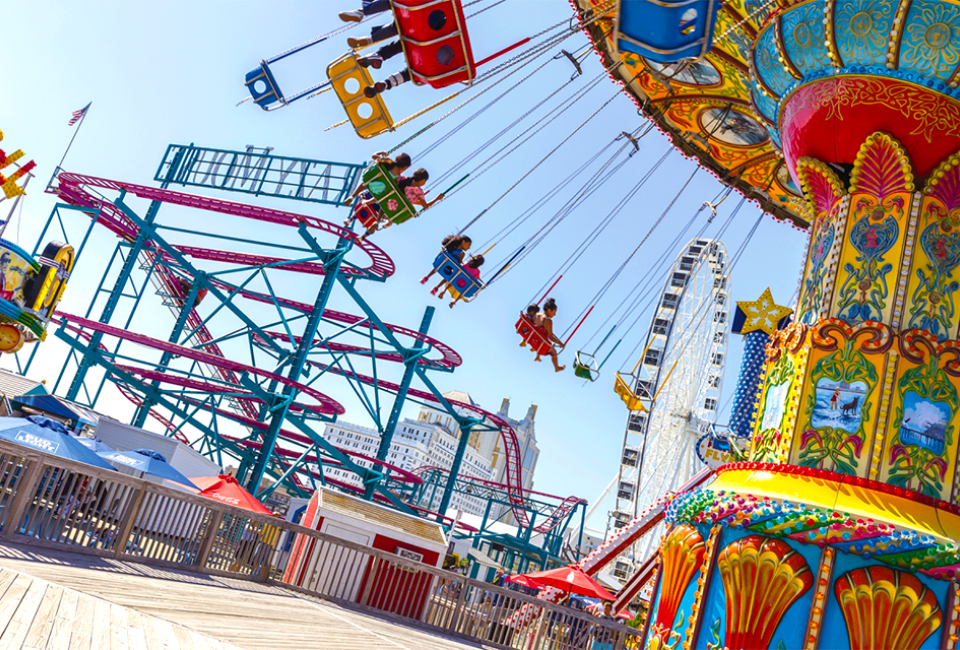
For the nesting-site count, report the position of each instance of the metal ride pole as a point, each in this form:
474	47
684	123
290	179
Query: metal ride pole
331	264
465	430
144	234
411	359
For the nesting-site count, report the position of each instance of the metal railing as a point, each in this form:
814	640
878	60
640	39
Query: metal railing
51	502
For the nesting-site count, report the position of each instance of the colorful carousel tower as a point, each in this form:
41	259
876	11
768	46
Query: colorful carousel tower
843	529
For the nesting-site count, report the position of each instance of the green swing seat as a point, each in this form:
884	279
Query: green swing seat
393	202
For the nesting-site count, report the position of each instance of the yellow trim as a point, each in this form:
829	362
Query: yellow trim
857	501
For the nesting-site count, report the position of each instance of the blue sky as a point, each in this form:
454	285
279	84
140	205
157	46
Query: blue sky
172	72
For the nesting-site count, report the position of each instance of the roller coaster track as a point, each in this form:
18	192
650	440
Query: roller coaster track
84	191
553	519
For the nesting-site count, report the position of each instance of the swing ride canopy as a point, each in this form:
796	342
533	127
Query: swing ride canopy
706	105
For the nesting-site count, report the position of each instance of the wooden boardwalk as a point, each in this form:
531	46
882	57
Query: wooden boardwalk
64	601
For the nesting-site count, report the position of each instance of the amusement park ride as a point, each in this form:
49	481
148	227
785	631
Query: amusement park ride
839	526
234	375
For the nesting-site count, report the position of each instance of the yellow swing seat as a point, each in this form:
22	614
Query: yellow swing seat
633	401
348	78
627	393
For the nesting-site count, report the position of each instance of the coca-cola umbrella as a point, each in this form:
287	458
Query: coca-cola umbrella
524	581
571	580
226	489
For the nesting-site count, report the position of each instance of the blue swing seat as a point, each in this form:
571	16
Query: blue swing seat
461	282
666	31
267	91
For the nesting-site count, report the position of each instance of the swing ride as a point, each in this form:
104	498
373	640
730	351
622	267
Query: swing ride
819	111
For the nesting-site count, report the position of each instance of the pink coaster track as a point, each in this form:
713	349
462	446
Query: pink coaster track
511	445
449	357
552	521
72	188
325	405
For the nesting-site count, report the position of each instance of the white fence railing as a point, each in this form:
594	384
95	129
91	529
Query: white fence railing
50	502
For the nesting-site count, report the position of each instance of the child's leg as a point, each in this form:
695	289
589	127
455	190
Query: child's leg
433	291
556	364
427	276
445	285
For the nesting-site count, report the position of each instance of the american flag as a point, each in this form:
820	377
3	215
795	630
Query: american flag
78	115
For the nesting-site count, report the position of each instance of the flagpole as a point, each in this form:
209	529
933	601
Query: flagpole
86	109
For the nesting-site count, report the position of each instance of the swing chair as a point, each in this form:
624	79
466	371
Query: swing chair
384	198
436	50
666	31
435	42
383	187
348	78
535	336
585	365
631	393
462	285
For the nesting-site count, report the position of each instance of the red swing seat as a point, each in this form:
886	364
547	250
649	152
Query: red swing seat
534	335
435	41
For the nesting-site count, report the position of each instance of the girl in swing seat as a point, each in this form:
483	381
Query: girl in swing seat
455	246
393	166
412	187
473	268
545	320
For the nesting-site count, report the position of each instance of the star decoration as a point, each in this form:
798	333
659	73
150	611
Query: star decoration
762	314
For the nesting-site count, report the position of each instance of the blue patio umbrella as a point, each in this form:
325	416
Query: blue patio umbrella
147	462
46	435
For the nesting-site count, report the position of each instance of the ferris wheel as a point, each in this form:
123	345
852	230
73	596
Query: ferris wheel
679	378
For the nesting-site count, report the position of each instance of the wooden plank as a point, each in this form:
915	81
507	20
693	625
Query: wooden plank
184	638
39	632
6	579
86	612
136	639
101	624
15	633
62	633
118	628
11	600
159	634
200	642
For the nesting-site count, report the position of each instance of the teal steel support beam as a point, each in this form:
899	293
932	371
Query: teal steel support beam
144	234
465	430
331	264
411	359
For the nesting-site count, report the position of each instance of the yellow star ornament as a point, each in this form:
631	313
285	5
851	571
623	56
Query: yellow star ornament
762	314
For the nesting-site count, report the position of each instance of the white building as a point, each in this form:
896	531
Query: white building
432	440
